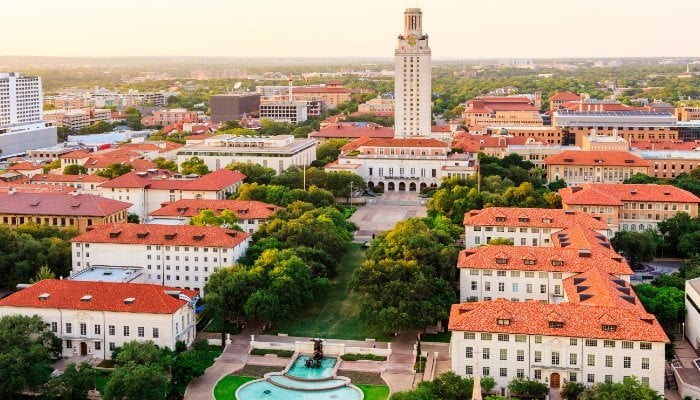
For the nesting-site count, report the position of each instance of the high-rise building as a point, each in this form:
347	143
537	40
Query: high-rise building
412	85
21	106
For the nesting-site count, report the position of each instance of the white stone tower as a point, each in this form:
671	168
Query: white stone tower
412	86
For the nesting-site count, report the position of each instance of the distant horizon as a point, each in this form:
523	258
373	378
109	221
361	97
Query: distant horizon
500	29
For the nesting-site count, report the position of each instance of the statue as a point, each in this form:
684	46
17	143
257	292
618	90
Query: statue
315	361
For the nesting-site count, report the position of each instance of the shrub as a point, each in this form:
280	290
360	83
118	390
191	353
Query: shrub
529	388
279	353
356	356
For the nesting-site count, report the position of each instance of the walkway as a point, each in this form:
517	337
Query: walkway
382	214
399	373
234	357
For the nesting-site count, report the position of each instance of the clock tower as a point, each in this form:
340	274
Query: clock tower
412	85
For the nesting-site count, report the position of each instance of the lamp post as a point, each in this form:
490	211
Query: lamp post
350	197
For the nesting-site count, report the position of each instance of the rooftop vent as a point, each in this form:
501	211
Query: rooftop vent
667	193
584	297
633	191
569	212
579	280
170	236
624	290
586	253
620	282
44	296
107	273
115	234
129	300
581	288
142	235
568	160
629	299
556	324
86	298
198	237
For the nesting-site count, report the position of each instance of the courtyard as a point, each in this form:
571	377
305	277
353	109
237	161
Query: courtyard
382	213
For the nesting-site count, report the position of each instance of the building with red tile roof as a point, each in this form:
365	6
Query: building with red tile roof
351	130
93	318
84	183
61	210
550	300
630	206
251	214
578	167
502	111
173	255
147	190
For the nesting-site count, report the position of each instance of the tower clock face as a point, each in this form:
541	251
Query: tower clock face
412	40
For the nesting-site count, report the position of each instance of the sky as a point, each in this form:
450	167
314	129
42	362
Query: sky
355	28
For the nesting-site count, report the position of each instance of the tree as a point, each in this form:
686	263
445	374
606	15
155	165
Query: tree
73	383
207	217
43	273
190	364
162	163
133	118
253	172
227	292
55	164
678	234
74	169
328	152
27	352
666	303
137	381
572	390
629	389
142	353
528	387
501	241
114	170
194	165
97	127
636	247
487	383
339	183
133	218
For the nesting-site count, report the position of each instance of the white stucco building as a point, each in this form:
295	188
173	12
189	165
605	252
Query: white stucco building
172	255
93	318
147	191
276	152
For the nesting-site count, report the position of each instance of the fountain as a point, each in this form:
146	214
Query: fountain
315	361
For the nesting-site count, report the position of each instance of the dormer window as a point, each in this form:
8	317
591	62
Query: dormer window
523	219
557	263
546	220
556	324
500	219
609	328
503	321
501	261
529	261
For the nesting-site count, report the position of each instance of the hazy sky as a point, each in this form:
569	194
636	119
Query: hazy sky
317	28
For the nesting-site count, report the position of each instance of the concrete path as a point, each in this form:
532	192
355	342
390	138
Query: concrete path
234	357
399	373
385	212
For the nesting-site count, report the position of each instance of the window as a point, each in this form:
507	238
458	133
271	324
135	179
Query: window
503	337
590	378
501	273
503	371
555	358
112	346
474	285
98	329
98	346
572	376
609	361
543	289
69	327
520	355
573	359
486	371
591	343
538	339
469	370
590	361
469	335
486	353
486	336
156	333
609	343
627	345
538	356
126	330
140	331
645	380
608	379
501	287
520	338
645	363
111	330
645	346
503	322
609	328
538	374
83	329
469	353
54	327
627	362
69	344
503	355
520	373
573	342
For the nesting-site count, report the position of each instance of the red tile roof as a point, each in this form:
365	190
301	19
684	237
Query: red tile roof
532	217
105	296
24	187
352	130
540	259
76	154
153	234
488	105
160	147
601	158
665	145
74	205
533	318
565	96
25	166
244	209
213	181
380	142
616	194
41	178
199	136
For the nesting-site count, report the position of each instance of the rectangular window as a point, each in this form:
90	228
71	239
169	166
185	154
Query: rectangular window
590	361
609	361
156	333
645	346
486	353
486	336
98	329
590	378
503	337
69	327
486	371
83	329
538	339
69	344
112	346
572	376
503	355
503	371
520	355
54	327
555	358
573	358
140	331
627	362
573	342
538	356
538	374
608	378
645	363
591	343
520	373
645	380
469	353
111	330
469	370
609	343
98	346
627	345
469	335
126	330
520	338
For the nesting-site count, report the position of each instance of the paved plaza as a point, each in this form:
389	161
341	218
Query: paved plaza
382	213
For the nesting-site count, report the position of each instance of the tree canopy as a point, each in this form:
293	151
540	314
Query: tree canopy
114	170
636	247
162	163
75	169
194	165
225	219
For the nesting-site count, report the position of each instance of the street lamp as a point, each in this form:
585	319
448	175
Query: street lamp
350	197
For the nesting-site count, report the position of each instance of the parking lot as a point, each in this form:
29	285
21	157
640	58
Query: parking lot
382	213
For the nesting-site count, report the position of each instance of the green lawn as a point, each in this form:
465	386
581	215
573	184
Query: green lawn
334	314
226	388
375	392
442	337
101	380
